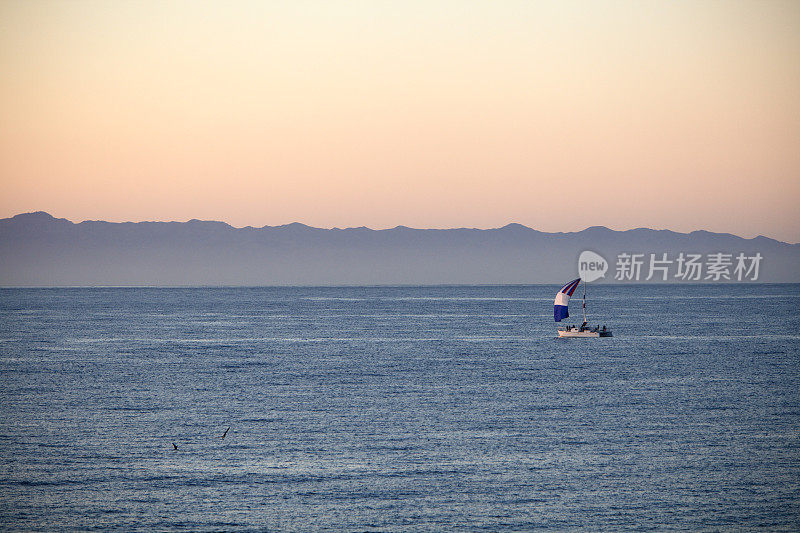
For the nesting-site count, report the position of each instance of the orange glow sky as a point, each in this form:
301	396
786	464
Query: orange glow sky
558	115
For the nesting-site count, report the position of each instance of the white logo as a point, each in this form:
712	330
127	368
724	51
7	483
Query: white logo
591	266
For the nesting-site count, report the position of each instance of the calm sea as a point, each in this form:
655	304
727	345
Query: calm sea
399	409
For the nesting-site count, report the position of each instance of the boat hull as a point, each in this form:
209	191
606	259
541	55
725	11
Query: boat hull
586	334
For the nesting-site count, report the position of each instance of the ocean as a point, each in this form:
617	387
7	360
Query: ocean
448	408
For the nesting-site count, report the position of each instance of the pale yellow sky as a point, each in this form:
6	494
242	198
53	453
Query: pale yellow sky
557	115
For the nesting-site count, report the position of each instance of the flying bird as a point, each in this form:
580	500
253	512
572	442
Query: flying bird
226	432
174	446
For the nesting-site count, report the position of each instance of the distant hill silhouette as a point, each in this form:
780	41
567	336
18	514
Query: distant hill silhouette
40	250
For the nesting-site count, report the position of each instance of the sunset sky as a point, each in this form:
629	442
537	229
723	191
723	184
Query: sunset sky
558	115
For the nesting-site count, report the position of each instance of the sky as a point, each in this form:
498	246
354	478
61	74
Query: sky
559	115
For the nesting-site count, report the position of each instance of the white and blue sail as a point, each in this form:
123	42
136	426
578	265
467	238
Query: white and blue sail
561	310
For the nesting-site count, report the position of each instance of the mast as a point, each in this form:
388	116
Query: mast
584	301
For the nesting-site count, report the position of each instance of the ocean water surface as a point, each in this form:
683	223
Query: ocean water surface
399	409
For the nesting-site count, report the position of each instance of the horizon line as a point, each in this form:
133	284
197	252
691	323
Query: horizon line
390	285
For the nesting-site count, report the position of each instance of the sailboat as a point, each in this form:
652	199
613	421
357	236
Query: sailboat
561	311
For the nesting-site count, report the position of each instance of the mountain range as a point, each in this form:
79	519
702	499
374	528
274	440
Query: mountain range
37	249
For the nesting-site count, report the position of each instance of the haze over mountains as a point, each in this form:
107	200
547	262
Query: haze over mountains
40	250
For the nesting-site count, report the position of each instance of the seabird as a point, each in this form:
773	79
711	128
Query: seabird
174	446
226	432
